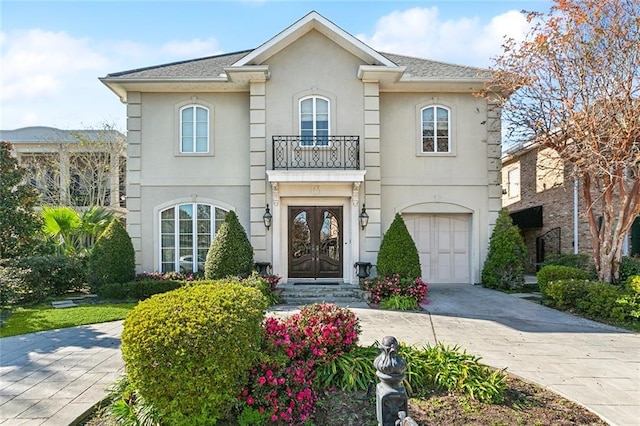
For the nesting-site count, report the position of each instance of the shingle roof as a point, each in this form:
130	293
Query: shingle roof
213	66
418	67
210	66
42	134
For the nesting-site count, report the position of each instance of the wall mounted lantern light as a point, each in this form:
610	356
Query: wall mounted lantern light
364	217
266	218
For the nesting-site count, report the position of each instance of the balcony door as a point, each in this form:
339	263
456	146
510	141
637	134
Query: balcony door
315	242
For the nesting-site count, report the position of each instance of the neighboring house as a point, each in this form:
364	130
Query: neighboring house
77	168
317	128
546	203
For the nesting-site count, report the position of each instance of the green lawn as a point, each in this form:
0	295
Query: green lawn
30	320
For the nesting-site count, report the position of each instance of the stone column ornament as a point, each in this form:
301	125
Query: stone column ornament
391	396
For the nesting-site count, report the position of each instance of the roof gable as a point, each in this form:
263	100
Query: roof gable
314	21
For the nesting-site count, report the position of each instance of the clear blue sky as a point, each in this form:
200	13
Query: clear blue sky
53	52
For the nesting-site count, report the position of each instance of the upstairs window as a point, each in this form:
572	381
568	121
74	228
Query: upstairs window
314	121
436	130
513	183
194	129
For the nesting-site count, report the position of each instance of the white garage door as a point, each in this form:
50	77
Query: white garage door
443	242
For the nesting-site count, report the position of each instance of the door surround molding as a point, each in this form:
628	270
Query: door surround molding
351	237
316	188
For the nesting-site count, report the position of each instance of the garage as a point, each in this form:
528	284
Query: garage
443	242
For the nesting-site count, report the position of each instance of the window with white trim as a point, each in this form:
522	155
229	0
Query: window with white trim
513	183
194	129
186	232
314	121
436	129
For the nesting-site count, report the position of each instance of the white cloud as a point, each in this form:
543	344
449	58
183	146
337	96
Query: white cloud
37	62
51	78
423	33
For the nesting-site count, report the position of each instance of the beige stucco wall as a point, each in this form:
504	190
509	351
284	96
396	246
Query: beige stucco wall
450	183
314	65
168	177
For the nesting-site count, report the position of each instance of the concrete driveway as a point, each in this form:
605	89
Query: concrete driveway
593	364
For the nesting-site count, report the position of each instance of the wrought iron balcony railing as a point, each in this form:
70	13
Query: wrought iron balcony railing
316	152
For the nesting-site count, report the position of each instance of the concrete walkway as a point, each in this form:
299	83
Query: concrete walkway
54	377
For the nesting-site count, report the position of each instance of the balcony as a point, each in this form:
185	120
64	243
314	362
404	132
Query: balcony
316	152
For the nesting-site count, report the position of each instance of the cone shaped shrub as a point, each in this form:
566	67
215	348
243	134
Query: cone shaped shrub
398	253
230	253
112	259
504	267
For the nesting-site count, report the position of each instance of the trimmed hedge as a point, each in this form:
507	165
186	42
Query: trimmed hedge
398	253
112	259
632	284
579	261
557	272
593	299
629	266
230	253
504	267
188	352
137	290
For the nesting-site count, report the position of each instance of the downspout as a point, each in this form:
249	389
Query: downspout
575	215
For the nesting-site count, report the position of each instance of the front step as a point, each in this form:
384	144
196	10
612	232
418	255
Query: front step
343	294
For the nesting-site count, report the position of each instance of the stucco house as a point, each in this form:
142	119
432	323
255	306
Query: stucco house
315	130
78	168
547	204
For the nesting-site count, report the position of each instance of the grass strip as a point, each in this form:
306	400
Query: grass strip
31	320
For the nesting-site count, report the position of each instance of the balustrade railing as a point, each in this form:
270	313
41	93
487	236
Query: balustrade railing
316	152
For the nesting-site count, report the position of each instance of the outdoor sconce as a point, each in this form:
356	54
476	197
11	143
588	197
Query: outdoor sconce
364	217
266	218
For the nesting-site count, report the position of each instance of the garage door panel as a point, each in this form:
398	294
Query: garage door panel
443	242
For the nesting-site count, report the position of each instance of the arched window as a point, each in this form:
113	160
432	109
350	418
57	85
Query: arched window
436	129
186	232
194	129
314	121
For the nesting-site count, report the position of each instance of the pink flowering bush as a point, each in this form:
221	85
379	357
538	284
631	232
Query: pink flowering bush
384	287
272	280
280	394
281	390
321	331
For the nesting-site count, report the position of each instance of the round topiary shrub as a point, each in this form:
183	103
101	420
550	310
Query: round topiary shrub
188	351
112	259
551	273
504	267
230	253
398	253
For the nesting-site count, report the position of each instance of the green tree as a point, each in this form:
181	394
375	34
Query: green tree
112	259
18	222
398	253
231	253
504	267
573	85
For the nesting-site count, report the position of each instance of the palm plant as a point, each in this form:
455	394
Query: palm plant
73	233
93	222
61	226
